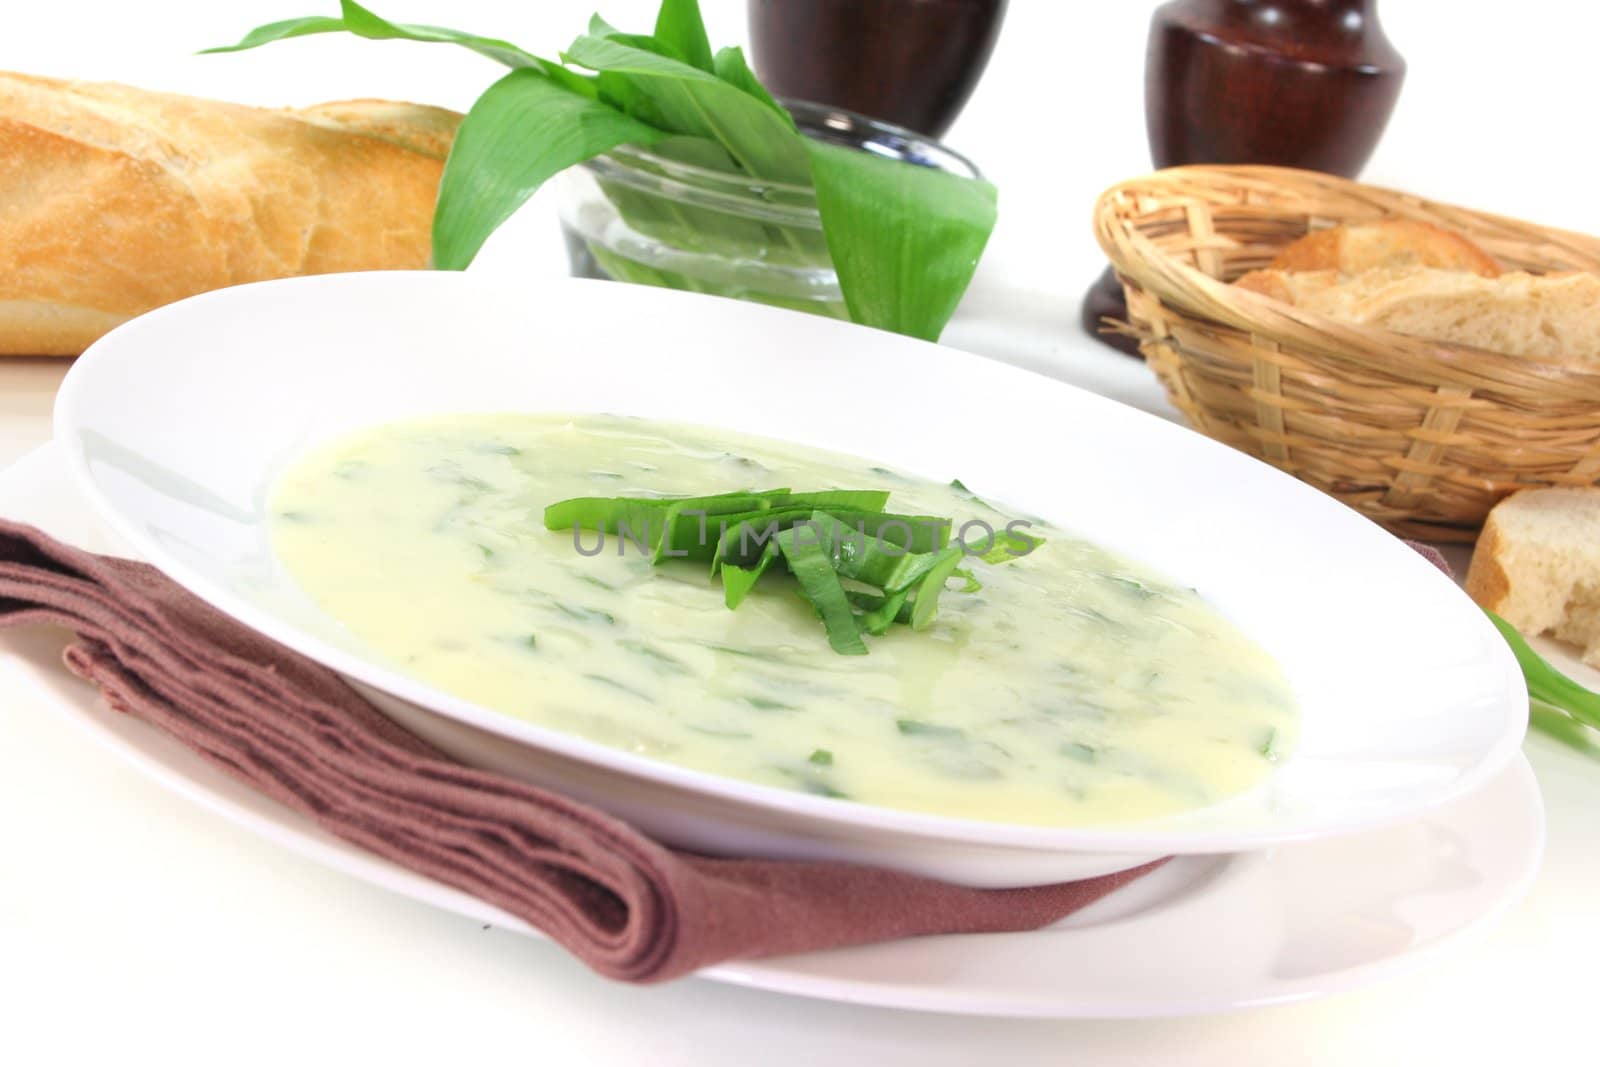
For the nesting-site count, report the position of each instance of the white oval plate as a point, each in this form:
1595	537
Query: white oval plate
1202	934
177	423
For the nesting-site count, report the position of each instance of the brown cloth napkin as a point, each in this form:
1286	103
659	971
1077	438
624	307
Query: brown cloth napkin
628	907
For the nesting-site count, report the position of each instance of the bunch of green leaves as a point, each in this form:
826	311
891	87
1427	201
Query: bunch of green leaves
903	239
861	568
1557	705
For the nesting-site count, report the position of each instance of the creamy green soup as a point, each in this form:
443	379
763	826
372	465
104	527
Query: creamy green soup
1074	687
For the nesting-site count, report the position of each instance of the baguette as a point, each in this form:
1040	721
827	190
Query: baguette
115	200
1537	565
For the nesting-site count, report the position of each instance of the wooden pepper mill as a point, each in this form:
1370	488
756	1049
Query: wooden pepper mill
1297	83
909	62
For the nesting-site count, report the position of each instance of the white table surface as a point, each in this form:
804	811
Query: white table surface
135	926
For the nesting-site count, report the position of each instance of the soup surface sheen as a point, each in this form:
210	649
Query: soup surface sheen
1073	688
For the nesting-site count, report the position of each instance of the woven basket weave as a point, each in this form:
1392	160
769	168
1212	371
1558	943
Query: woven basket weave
1421	436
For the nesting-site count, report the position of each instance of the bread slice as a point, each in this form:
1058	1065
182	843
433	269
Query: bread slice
1386	245
1290	287
116	200
1537	565
1538	316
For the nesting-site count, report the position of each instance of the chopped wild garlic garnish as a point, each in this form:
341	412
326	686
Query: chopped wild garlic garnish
895	565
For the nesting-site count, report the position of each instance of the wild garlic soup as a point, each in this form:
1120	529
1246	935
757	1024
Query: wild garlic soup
1064	686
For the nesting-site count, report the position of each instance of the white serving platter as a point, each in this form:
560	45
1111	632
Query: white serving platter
1203	934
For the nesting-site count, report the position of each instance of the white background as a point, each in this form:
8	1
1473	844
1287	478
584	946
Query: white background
133	927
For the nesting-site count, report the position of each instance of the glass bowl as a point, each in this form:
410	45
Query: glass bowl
635	215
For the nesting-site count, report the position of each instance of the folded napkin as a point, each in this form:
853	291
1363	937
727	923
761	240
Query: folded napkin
630	908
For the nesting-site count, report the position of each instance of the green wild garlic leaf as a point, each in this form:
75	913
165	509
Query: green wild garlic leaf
523	130
282	31
731	67
599	27
691	101
808	560
680	27
362	22
905	239
1546	685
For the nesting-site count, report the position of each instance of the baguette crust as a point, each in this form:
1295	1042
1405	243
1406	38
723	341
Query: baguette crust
114	201
427	131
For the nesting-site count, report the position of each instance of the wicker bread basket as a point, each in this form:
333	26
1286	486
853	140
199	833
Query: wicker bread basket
1421	436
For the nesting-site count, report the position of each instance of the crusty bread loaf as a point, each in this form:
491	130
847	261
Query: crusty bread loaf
115	200
1540	316
1385	245
1537	565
